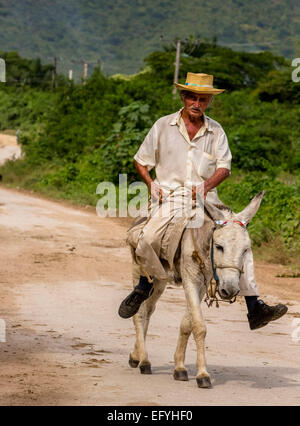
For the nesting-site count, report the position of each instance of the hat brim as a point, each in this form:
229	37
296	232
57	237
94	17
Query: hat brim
203	90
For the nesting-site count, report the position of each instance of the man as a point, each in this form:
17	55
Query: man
189	151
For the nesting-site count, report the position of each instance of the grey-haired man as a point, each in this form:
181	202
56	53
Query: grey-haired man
188	150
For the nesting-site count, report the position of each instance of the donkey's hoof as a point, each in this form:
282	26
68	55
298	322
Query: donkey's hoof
181	375
204	382
133	362
145	369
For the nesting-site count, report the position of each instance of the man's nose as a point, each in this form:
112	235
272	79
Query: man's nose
197	103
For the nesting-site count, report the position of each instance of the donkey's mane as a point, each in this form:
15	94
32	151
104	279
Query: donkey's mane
223	207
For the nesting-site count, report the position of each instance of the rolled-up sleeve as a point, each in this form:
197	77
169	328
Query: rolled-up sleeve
146	153
222	152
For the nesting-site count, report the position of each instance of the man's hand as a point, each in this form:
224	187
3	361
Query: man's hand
218	177
200	190
156	191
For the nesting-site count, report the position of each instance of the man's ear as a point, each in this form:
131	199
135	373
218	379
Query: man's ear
213	212
248	213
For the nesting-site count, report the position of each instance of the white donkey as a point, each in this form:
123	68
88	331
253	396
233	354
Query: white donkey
224	237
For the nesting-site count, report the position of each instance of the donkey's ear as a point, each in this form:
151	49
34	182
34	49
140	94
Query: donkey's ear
248	213
213	212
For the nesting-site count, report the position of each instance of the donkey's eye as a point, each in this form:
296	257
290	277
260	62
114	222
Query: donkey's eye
218	247
245	251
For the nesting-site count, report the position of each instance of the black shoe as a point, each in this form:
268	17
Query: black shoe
133	301
262	314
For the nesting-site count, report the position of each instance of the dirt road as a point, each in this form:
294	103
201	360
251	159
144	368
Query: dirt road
9	148
63	274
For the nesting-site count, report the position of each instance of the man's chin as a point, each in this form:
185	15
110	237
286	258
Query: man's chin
195	114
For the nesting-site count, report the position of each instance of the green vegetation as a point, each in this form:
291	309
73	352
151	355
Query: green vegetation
80	135
120	33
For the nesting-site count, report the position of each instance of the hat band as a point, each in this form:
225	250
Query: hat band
198	85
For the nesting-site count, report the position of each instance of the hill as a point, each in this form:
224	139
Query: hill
120	34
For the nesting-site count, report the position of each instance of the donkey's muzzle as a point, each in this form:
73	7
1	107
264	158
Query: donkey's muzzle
228	292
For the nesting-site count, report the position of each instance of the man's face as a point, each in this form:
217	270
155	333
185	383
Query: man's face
195	104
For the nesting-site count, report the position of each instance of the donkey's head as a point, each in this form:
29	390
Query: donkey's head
230	243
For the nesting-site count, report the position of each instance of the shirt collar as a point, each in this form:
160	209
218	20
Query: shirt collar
177	116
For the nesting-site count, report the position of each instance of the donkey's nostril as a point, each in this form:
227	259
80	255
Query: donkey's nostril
224	292
228	293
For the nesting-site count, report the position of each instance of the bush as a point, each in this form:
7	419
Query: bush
279	212
84	134
127	135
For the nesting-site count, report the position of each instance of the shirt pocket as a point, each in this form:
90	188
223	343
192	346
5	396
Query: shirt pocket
207	165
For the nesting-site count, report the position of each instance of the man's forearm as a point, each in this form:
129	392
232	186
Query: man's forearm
143	172
155	190
218	177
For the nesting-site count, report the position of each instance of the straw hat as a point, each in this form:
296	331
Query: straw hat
199	83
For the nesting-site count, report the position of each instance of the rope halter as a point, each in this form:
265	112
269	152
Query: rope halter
212	290
223	223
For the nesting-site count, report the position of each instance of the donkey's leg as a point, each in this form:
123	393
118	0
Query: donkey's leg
134	355
199	331
141	323
180	372
194	290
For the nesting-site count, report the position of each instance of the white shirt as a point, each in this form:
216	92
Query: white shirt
180	162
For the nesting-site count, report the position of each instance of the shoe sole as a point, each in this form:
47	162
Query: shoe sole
126	311
283	311
123	312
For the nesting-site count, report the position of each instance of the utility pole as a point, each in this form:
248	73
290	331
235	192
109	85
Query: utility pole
177	65
54	73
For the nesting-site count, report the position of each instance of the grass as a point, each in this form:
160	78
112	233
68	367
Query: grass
50	181
276	253
10	132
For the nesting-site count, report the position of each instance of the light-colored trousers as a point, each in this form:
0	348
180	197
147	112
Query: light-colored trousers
149	247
